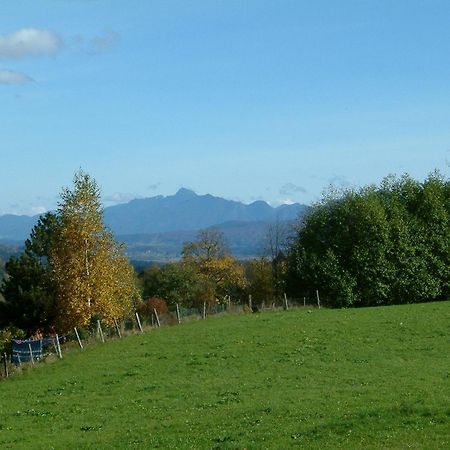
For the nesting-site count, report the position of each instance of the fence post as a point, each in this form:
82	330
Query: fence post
100	331
117	328
204	310
5	362
31	354
178	313
286	306
318	298
139	322
78	337
157	318
250	302
304	301
58	346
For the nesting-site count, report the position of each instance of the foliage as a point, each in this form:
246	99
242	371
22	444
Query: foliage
259	274
376	245
72	269
29	288
276	245
323	379
206	273
147	306
174	282
222	275
92	273
7	335
210	244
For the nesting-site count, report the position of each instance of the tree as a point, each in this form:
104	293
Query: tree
276	243
376	245
220	274
210	244
29	288
92	274
259	274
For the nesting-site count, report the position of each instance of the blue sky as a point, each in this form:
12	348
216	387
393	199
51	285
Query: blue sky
247	100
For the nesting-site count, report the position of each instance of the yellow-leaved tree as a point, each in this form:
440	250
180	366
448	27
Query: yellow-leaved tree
209	256
93	276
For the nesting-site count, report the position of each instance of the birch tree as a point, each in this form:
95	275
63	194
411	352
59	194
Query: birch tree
92	274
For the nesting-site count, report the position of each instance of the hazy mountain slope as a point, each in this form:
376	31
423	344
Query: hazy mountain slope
155	228
188	211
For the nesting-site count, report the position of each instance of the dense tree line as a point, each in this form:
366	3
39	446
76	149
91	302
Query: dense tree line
376	245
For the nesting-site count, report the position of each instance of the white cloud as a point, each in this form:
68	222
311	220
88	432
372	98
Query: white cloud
12	77
29	42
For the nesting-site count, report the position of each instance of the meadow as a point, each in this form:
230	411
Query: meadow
369	378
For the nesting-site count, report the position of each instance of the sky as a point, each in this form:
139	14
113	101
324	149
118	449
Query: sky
243	99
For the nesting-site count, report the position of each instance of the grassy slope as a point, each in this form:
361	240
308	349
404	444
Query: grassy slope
367	378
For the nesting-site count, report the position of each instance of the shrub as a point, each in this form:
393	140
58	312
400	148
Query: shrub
147	306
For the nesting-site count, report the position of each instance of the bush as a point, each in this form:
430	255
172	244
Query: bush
6	337
147	306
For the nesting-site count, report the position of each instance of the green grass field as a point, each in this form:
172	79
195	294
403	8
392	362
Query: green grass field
323	379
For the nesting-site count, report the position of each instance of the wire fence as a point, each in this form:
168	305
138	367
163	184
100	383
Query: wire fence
29	352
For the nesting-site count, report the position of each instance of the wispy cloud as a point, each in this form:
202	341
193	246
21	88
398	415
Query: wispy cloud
153	187
291	188
119	197
12	77
95	45
29	42
103	43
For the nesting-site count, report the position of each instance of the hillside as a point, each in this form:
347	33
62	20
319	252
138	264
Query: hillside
360	378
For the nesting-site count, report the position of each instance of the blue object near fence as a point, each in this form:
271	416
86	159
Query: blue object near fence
25	351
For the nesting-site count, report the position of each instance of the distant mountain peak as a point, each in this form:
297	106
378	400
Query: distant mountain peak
184	192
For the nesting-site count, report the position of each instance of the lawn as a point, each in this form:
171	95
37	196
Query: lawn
323	379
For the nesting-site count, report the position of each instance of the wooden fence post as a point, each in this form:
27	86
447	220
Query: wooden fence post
286	306
31	354
157	318
204	310
5	362
250	302
318	298
78	337
117	329
139	321
304	301
178	313
100	331
58	346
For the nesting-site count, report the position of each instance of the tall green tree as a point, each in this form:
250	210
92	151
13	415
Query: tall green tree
29	288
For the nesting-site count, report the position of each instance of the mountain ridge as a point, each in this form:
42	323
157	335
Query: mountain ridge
156	226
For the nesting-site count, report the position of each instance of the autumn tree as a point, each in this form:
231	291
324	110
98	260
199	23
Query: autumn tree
92	274
259	273
220	273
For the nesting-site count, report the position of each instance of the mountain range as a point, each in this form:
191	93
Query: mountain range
155	228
